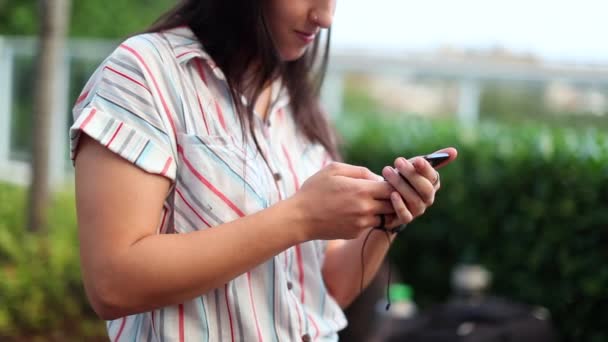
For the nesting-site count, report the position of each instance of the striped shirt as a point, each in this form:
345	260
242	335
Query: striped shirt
160	102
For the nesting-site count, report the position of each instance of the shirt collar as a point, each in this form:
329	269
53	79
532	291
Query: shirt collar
186	47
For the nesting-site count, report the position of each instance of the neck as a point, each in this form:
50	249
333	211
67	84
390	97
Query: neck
262	103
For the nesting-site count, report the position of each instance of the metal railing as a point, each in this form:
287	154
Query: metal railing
13	167
467	74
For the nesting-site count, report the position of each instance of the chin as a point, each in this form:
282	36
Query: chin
292	54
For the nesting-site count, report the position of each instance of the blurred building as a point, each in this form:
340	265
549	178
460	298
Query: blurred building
563	97
438	95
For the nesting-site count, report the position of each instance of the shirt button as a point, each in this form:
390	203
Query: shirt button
306	338
289	285
277	176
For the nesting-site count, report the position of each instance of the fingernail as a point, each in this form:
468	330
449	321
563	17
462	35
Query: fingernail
386	171
401	162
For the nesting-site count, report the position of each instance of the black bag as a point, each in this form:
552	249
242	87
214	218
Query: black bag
489	320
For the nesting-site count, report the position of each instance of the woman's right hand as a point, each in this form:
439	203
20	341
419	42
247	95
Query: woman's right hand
341	201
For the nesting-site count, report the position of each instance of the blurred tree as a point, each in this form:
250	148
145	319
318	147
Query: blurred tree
117	18
91	18
54	17
18	17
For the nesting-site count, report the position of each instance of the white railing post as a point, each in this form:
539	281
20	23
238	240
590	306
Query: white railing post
6	99
469	95
58	134
332	94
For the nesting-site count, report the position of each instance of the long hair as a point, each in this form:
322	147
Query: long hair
236	35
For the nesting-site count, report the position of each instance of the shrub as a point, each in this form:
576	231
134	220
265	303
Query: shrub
528	202
40	285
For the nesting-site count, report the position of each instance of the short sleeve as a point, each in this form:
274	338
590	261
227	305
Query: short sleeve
120	108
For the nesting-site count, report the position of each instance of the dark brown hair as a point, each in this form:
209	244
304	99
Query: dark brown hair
235	34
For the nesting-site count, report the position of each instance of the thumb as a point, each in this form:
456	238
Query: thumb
352	171
453	155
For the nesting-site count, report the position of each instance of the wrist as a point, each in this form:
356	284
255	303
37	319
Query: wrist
299	219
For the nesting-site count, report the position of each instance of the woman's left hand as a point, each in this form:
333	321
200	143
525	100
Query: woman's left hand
415	182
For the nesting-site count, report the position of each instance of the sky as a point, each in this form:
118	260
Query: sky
558	30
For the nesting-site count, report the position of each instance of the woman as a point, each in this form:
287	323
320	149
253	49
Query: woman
209	205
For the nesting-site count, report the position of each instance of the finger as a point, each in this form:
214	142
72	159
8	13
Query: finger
403	213
422	185
378	190
414	202
380	221
380	207
453	155
392	221
352	171
425	169
375	220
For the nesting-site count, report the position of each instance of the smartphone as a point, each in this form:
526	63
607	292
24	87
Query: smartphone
436	158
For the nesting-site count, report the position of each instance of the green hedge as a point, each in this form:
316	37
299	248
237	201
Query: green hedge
40	288
528	202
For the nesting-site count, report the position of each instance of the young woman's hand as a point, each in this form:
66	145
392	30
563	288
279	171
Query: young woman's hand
341	201
415	183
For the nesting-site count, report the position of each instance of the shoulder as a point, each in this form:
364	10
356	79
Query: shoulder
144	51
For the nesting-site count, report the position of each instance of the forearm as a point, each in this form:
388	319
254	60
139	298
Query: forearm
342	269
166	269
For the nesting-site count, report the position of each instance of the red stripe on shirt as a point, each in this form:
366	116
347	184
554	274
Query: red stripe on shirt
192	208
128	77
88	118
208	184
166	167
296	182
162	224
298	312
200	70
186	52
298	248
200	105
300	271
220	115
160	94
122	326
180	308
229	313
114	135
82	97
314	324
255	315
